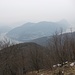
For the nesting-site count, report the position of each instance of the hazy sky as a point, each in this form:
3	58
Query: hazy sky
13	12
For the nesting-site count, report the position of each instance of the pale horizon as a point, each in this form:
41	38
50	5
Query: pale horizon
17	12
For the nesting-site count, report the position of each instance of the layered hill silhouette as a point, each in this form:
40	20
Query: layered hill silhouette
31	31
44	41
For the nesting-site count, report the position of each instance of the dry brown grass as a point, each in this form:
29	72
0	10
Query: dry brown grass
67	71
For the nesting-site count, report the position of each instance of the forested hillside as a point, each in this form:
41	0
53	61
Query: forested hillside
20	59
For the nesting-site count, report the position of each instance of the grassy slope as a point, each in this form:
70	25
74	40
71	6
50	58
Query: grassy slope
67	71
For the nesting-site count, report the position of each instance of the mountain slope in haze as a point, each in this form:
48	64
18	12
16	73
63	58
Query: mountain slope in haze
30	31
4	29
44	41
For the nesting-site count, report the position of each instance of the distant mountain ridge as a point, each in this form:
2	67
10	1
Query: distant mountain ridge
31	31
